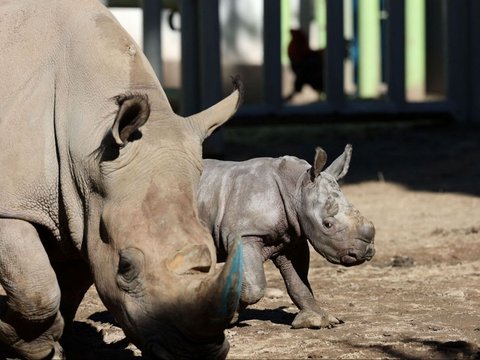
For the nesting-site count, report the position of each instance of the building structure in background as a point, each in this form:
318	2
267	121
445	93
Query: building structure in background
380	56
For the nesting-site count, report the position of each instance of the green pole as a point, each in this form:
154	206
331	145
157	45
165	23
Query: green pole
285	12
415	57
320	8
369	48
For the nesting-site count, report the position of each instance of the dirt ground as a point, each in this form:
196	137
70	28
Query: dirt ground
419	298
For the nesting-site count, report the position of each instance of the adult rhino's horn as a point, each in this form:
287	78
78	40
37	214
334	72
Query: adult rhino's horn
208	120
221	296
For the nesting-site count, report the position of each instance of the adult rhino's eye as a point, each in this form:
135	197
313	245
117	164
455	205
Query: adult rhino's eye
129	265
124	266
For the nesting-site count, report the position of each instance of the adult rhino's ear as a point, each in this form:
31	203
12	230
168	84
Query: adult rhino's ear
133	113
339	168
318	163
210	119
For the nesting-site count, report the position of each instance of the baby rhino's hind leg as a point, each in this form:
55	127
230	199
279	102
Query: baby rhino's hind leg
30	320
254	282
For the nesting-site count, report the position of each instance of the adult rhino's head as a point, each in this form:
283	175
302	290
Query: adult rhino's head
333	226
153	261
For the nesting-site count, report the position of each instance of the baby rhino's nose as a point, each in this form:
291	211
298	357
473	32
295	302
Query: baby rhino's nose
367	231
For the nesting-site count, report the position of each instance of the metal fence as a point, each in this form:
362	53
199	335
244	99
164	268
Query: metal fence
456	64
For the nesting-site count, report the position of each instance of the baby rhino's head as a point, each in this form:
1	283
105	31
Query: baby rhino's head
333	226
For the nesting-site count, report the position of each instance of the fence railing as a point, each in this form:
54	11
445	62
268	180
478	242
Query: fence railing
201	59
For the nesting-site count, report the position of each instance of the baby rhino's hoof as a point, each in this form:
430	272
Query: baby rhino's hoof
313	320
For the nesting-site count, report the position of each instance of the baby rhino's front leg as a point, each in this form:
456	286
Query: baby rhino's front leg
293	265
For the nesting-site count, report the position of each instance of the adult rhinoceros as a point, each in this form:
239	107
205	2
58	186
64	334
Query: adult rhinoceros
98	182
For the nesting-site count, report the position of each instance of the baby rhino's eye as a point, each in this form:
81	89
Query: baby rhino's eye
327	224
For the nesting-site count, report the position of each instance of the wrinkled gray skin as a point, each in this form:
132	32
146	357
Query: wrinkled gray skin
98	182
277	206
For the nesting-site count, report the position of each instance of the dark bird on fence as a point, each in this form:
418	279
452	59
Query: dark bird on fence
307	64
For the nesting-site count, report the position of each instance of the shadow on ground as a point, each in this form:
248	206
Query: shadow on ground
86	343
276	316
86	338
424	155
430	349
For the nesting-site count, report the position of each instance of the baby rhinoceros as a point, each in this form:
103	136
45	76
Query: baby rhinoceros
277	206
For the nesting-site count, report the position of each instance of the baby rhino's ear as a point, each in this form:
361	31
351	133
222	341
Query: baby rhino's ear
318	163
339	168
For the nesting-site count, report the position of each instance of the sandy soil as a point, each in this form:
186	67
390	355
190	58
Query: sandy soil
419	298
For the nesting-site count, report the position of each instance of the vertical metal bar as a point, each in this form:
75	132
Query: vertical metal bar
436	47
474	68
272	66
396	52
210	69
152	11
306	15
335	54
190	102
457	54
